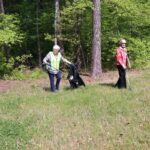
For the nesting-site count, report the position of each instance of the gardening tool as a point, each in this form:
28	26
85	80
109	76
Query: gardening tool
127	76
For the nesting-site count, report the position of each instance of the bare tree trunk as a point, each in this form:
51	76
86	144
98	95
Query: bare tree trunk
77	53
57	23
37	32
80	59
2	7
2	11
96	69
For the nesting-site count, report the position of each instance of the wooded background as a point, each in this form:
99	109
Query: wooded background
27	32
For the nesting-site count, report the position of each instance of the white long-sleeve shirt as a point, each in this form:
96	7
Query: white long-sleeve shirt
47	60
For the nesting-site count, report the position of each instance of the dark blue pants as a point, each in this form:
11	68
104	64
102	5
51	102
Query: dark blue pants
122	77
54	86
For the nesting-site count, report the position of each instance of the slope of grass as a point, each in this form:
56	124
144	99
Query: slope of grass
97	117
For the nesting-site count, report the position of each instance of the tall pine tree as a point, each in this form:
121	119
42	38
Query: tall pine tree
96	70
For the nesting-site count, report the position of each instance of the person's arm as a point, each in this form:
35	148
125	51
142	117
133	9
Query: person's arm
46	60
65	60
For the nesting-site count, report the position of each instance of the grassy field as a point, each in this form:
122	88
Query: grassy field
97	117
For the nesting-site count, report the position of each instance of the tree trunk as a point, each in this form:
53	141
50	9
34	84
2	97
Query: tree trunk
57	23
96	69
80	59
2	7
4	46
37	32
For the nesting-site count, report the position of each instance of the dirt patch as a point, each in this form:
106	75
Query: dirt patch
7	84
107	77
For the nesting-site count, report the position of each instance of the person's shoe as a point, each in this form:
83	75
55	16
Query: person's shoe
115	85
56	90
52	90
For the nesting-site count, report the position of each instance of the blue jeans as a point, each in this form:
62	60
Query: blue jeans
53	86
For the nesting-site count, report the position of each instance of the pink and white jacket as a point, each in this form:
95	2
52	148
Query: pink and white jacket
121	56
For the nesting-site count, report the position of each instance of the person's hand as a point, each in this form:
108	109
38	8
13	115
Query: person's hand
68	62
45	63
73	65
124	67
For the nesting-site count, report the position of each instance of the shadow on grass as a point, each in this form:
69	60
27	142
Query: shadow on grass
68	88
47	89
108	85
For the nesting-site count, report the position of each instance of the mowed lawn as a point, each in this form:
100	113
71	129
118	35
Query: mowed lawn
97	117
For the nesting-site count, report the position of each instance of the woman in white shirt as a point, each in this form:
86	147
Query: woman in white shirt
52	62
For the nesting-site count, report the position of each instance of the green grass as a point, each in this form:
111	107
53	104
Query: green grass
97	117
